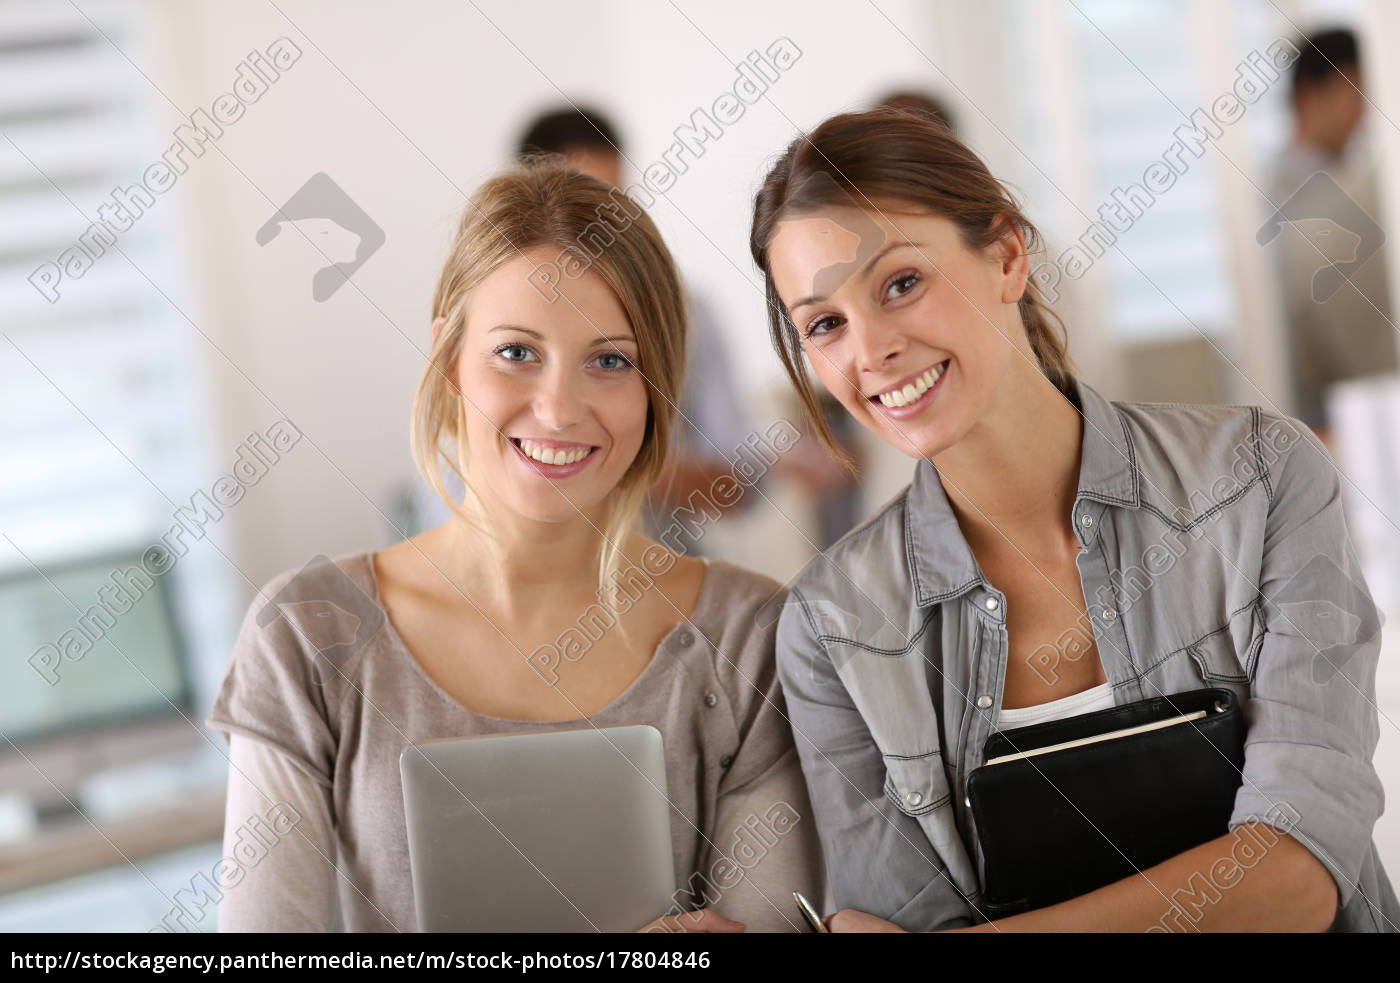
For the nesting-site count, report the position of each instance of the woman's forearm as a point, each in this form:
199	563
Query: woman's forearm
1209	888
288	885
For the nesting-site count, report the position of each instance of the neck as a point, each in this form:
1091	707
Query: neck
1314	136
1015	474
540	565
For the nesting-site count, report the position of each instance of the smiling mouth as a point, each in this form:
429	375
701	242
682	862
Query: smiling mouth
553	456
911	391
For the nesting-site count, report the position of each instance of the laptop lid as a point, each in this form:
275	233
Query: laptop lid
562	830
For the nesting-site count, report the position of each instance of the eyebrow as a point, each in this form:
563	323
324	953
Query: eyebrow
535	334
865	270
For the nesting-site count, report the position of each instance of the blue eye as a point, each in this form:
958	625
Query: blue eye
512	347
624	362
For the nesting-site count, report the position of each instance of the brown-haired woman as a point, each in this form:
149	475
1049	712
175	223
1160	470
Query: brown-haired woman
1056	553
552	397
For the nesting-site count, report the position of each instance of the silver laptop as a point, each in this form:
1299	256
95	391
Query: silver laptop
539	831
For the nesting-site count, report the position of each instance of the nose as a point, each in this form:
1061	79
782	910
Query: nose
558	402
876	345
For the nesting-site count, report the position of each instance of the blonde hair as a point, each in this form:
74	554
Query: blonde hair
543	202
892	155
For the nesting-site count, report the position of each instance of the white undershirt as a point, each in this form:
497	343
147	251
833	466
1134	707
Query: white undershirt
1097	698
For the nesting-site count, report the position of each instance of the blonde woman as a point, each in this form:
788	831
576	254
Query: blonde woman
535	605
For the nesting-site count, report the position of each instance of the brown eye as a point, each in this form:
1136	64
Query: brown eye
902	284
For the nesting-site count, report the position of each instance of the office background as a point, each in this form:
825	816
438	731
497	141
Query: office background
153	348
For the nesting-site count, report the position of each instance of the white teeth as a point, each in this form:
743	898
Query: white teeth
547	455
915	389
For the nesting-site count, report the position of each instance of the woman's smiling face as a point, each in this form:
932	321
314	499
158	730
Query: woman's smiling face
556	406
912	331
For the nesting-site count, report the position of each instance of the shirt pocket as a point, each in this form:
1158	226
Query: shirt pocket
1227	654
917	784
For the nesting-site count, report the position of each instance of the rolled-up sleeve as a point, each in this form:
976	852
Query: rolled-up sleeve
1312	714
878	859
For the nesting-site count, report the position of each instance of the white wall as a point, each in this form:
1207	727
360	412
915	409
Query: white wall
408	114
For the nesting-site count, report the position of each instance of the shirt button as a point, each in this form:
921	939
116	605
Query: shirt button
983	702
991	603
726	761
1109	614
711	699
686	637
914	798
1086	520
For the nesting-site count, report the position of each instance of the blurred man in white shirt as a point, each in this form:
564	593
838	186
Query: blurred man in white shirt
1328	241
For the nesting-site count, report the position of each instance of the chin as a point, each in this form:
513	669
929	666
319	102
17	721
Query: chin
918	444
925	452
555	507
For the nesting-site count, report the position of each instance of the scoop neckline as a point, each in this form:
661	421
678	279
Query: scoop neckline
703	602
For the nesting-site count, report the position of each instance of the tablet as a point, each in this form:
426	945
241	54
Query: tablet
560	830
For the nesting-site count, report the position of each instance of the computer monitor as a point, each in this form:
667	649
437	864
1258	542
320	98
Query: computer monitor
93	672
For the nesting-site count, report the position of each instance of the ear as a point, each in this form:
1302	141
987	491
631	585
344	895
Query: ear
1015	261
437	328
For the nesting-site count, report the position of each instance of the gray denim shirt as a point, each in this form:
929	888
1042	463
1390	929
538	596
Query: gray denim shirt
1215	554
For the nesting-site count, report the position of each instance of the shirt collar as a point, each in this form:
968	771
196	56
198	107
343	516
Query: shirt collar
941	561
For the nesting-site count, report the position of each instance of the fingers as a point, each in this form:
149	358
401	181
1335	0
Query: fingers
850	920
703	920
845	920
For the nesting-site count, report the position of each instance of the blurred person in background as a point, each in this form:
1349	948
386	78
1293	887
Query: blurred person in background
834	492
710	422
921	104
583	137
1328	248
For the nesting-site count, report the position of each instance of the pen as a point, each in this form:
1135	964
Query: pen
809	913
